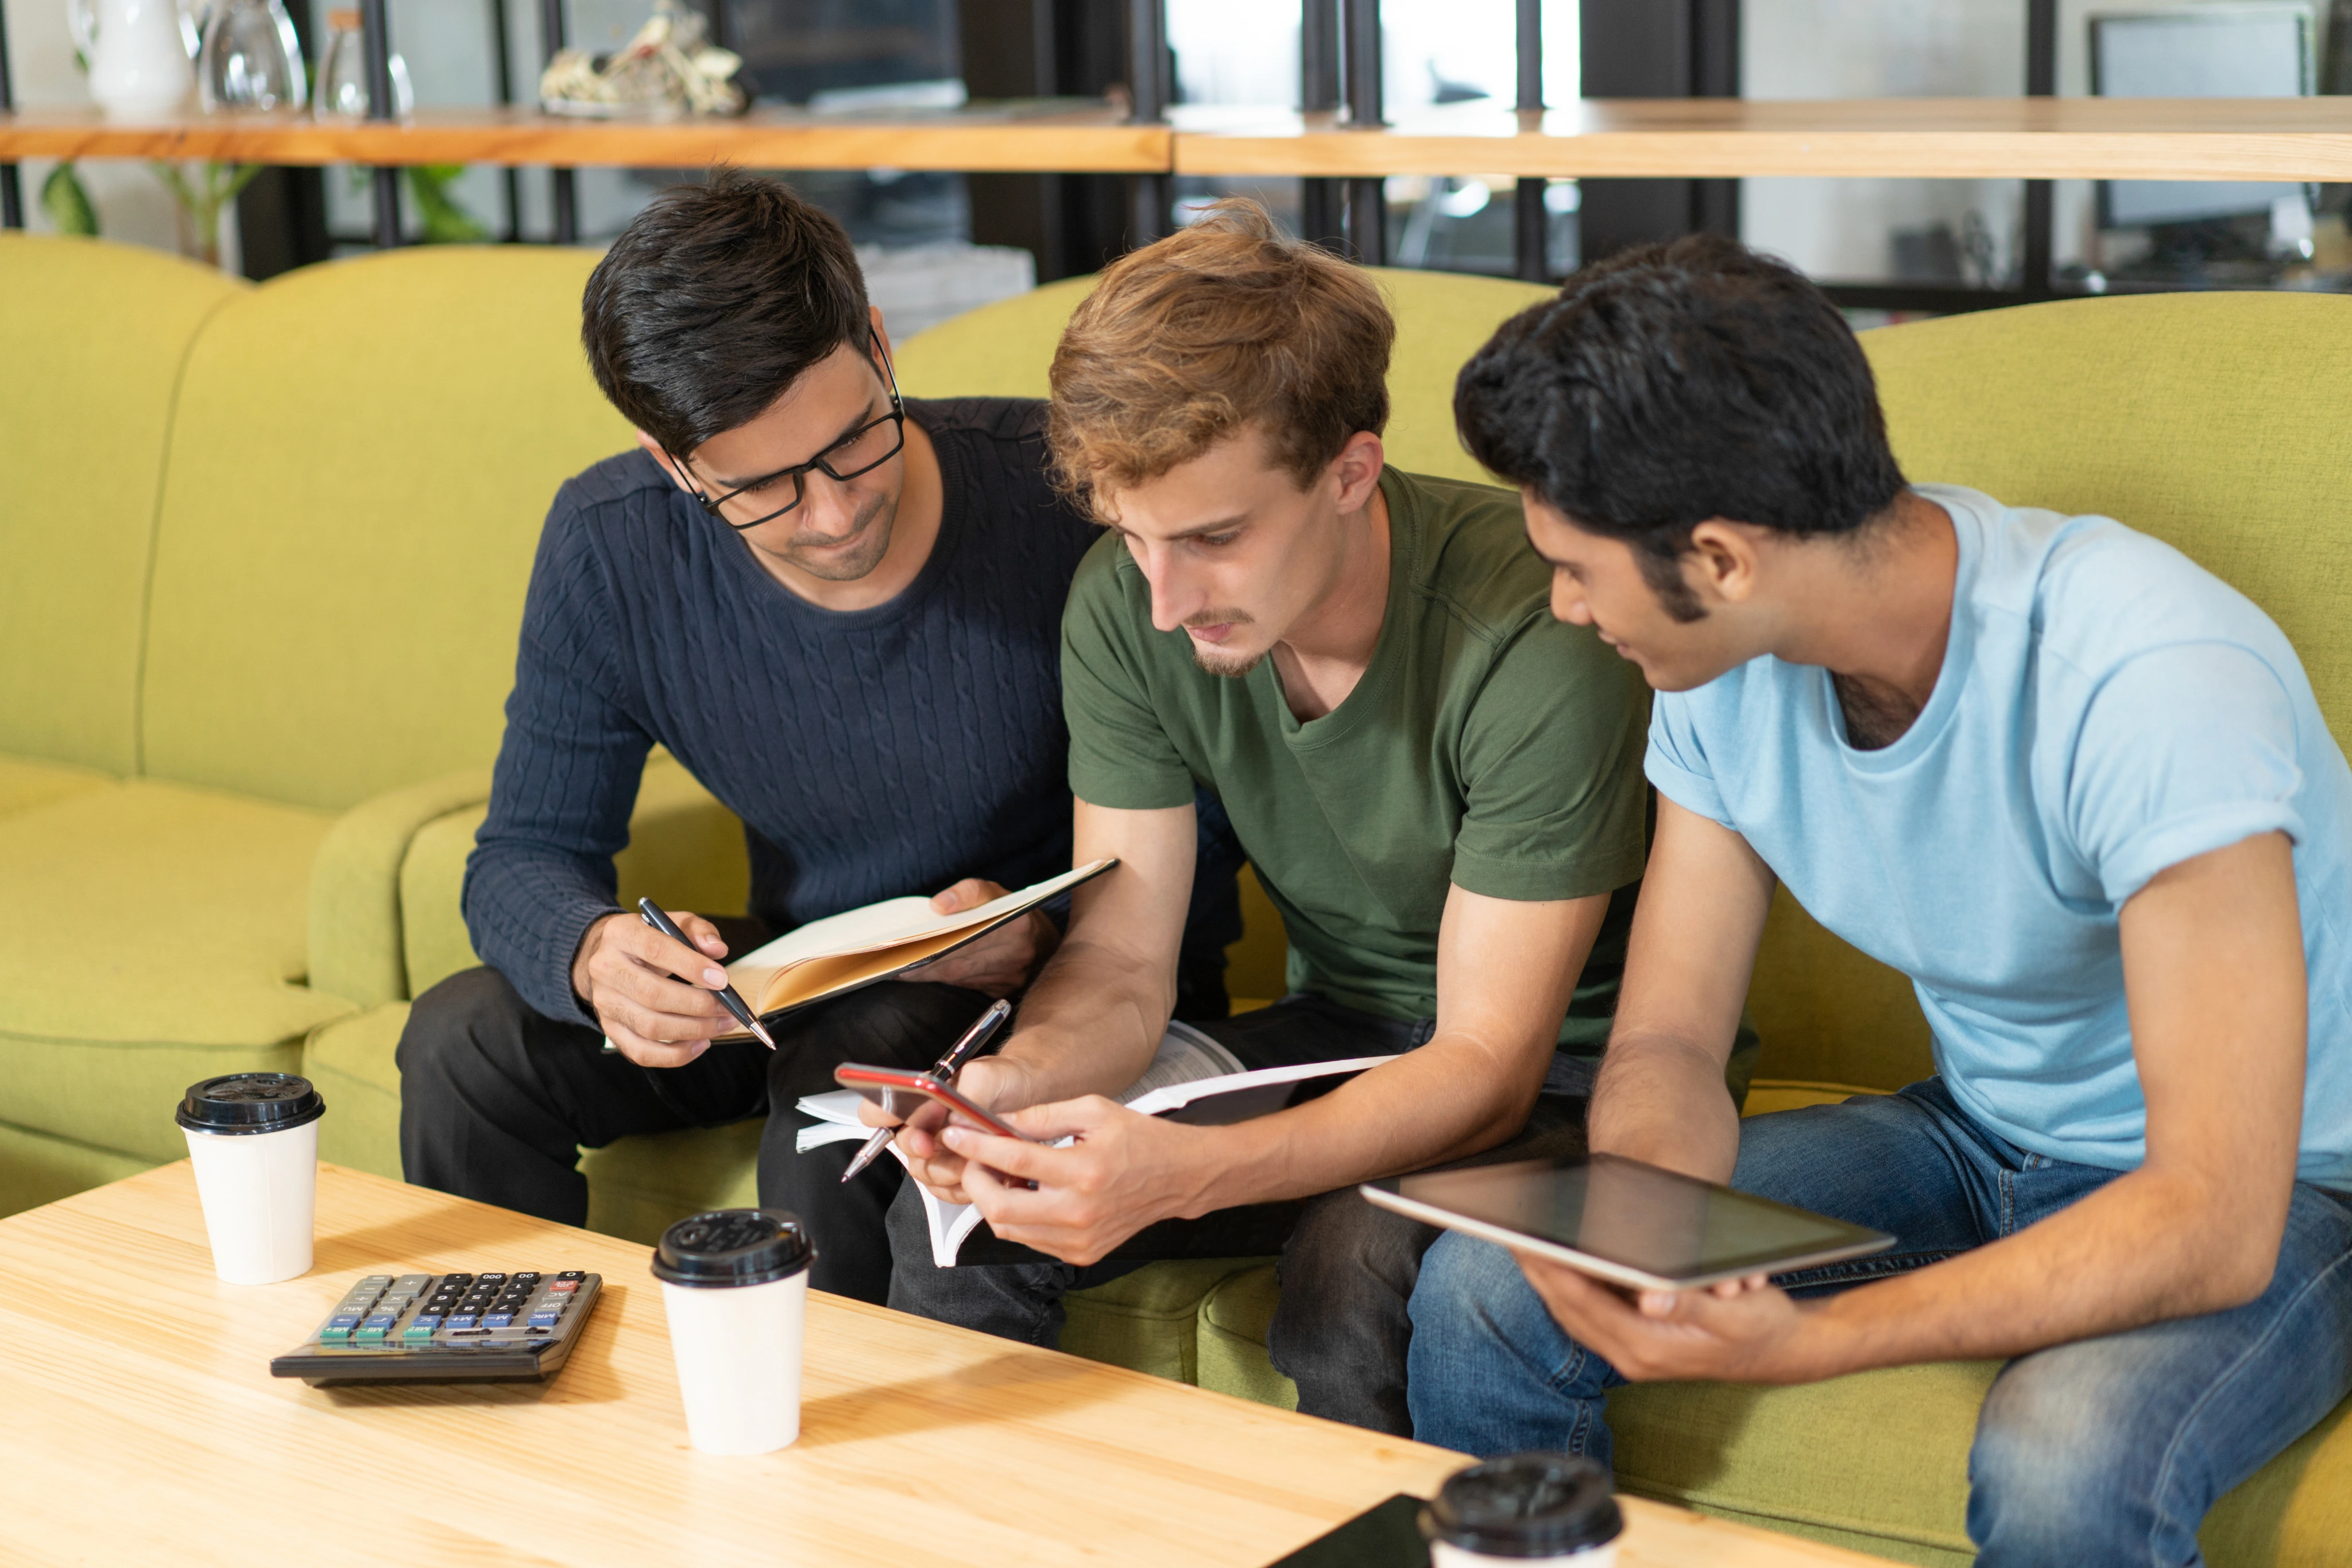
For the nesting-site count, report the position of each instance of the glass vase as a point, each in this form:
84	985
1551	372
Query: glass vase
342	73
252	62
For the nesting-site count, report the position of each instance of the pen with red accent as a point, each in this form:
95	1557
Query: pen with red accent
946	1067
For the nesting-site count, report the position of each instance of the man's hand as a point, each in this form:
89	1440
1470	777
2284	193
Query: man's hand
626	971
992	1083
999	963
1124	1171
1739	1331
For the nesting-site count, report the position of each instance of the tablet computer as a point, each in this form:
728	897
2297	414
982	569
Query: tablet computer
1625	1221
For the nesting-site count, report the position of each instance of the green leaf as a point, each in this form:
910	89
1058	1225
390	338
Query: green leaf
67	204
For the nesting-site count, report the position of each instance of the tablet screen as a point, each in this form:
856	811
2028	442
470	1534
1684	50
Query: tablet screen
1639	1216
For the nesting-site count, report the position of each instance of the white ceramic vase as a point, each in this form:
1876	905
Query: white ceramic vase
137	55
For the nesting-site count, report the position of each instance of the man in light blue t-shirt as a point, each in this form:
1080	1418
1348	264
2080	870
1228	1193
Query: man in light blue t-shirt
2075	787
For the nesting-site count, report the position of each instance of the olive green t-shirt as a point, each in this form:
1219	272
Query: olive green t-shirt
1486	744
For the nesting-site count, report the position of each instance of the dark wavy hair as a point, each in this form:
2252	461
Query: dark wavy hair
1677	383
715	298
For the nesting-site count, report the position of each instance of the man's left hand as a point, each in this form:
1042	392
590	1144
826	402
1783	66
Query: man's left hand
999	963
1739	1331
1124	1172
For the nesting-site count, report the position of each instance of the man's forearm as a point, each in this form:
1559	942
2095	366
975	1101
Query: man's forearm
1090	1025
2148	1247
1662	1100
1448	1100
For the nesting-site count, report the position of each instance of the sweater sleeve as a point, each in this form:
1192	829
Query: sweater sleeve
566	780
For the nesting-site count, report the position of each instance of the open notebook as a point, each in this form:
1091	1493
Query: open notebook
1191	1079
859	946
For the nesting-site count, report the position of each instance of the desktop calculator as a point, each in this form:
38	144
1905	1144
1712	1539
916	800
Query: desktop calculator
447	1328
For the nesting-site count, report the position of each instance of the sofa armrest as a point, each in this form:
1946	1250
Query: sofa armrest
355	945
685	849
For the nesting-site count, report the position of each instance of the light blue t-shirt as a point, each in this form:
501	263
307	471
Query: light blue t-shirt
2106	709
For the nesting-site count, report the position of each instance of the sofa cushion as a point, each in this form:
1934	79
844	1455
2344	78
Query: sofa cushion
350	1062
339	579
93	337
24	783
38	1168
153	936
639	1186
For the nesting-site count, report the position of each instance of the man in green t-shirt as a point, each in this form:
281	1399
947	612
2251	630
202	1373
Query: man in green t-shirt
1438	783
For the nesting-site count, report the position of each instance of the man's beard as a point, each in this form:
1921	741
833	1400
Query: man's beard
873	535
1212	660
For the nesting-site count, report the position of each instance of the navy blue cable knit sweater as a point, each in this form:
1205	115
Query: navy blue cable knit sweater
870	753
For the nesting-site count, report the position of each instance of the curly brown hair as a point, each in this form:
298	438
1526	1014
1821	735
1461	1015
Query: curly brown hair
1221	327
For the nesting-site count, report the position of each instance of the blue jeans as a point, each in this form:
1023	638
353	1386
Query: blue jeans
2106	1450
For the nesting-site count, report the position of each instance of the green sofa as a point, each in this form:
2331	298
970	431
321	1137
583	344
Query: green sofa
262	554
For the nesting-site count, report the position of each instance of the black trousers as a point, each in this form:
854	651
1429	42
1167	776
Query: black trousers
496	1101
1348	1269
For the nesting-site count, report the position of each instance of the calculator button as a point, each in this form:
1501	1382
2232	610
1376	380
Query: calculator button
413	1283
497	1319
546	1320
421	1328
490	1279
563	1287
339	1328
527	1277
459	1321
448	1280
375	1282
572	1274
375	1328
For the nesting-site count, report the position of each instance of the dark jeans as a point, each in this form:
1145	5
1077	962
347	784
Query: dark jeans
1346	1268
496	1101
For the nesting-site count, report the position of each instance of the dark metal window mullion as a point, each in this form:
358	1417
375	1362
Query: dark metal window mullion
1532	223
12	189
376	36
1367	195
562	186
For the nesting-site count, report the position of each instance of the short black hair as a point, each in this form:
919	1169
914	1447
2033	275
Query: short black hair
715	298
1671	383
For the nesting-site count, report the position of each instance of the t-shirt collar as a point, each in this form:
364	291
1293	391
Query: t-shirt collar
1968	529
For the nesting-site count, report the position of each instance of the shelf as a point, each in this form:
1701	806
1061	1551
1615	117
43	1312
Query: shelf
2042	139
1047	137
2072	138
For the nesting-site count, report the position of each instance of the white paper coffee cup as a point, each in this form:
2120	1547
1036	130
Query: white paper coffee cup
735	1288
1525	1511
253	1138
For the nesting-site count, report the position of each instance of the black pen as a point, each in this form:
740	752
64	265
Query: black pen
946	1067
727	993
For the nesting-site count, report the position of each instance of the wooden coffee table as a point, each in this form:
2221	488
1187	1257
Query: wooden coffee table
141	1424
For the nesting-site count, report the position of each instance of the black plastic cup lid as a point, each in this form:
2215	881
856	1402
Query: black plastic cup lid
250	1102
1525	1505
733	1247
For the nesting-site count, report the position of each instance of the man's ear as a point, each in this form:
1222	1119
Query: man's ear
661	457
881	334
1723	562
1357	470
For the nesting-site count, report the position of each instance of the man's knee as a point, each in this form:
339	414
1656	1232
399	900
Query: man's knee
1343	1246
2060	1474
454	1029
1473	1298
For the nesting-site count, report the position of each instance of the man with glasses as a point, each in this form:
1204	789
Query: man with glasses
840	610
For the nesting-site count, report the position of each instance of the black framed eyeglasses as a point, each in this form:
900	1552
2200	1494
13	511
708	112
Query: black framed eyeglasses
860	451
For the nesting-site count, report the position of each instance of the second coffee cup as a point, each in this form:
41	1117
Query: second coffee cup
1525	1511
253	1138
735	1287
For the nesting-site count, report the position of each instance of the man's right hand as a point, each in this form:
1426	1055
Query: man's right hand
627	973
992	1083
